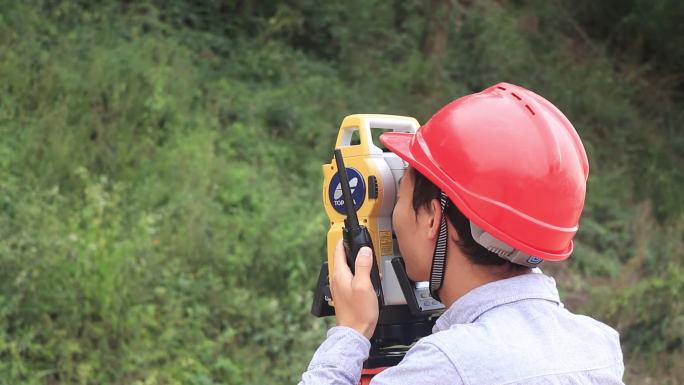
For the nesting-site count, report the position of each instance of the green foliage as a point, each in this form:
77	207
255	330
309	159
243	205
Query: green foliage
651	313
650	31
160	172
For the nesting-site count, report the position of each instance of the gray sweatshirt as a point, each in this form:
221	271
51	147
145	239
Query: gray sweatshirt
512	331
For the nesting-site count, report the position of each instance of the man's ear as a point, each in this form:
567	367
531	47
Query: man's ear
435	219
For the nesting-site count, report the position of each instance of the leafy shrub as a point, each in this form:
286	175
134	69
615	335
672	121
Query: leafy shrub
160	174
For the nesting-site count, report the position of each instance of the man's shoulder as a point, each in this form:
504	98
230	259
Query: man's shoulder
461	338
509	344
536	325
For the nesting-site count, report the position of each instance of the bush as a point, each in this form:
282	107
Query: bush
160	174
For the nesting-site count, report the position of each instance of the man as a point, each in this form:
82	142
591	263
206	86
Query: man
495	185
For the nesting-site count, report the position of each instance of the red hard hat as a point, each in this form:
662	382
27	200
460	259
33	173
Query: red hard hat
510	161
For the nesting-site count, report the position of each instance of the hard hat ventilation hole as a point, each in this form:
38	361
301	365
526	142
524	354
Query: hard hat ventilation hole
501	88
516	96
529	109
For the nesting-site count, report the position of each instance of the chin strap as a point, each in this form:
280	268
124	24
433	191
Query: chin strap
439	256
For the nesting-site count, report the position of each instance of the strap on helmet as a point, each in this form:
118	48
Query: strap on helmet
439	255
480	236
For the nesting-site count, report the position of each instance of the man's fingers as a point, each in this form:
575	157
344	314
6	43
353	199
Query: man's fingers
363	266
341	270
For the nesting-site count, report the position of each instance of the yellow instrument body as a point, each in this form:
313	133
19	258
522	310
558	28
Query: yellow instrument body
373	177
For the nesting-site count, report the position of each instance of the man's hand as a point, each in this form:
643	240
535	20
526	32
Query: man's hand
356	304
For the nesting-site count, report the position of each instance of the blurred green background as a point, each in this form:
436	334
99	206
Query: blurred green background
160	188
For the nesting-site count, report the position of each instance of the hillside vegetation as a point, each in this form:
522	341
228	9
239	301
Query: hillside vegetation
160	206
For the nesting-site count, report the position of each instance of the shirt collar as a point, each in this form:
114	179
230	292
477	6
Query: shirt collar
476	302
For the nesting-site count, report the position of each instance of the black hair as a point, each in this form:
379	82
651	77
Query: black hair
424	191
